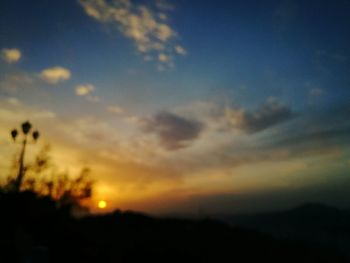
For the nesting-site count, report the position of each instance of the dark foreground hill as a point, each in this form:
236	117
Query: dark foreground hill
35	230
313	223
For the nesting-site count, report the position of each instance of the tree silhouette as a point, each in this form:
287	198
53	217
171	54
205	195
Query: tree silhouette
44	177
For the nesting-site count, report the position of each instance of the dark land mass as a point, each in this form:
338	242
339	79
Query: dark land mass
37	230
315	224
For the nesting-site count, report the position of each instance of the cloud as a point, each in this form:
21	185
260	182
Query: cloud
317	130
321	139
25	112
11	55
13	101
162	16
115	109
44	114
308	136
55	74
180	50
83	90
163	58
271	113
174	131
88	129
145	26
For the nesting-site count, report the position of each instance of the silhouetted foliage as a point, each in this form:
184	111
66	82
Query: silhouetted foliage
44	178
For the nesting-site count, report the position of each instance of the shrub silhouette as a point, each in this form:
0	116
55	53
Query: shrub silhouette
44	178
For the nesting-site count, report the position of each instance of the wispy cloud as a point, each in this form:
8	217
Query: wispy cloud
11	55
55	74
13	101
163	58
146	26
88	129
115	109
271	113
25	112
84	89
180	50
135	159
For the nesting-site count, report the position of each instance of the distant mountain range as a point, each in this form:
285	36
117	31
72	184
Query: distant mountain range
313	223
36	229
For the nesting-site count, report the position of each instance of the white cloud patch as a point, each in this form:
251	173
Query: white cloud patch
11	55
180	50
82	90
145	26
86	91
115	109
55	74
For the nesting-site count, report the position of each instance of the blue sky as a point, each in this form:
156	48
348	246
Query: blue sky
201	93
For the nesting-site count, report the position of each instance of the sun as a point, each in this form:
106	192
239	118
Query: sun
102	204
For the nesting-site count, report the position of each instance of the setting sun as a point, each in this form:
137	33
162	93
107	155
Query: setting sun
102	204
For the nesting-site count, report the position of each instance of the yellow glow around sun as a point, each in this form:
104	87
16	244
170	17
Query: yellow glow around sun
102	204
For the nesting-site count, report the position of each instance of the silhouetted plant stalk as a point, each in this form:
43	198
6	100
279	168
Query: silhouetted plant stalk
26	128
44	178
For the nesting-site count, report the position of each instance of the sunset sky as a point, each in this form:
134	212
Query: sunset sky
184	106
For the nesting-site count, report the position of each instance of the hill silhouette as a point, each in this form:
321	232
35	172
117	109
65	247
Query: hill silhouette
314	223
35	229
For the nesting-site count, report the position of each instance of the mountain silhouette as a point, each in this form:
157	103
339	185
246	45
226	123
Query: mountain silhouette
35	229
313	223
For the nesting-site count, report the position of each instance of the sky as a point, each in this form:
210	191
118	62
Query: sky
195	107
